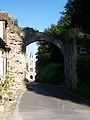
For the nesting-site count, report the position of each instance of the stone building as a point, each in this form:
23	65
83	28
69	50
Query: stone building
2	60
11	54
4	49
31	72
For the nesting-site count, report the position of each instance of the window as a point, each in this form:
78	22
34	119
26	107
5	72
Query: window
31	62
31	77
31	69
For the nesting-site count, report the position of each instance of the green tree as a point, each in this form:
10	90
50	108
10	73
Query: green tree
71	27
48	55
79	12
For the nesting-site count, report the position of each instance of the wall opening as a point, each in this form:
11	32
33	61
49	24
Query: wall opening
31	77
31	50
49	65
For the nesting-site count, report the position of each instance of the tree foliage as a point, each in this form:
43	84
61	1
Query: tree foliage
48	53
78	12
72	25
51	73
48	64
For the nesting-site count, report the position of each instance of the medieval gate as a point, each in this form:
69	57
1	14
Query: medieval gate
68	50
18	39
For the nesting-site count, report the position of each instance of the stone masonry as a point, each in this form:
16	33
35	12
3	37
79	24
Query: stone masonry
17	55
68	50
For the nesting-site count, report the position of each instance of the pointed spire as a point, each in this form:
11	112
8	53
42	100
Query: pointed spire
31	55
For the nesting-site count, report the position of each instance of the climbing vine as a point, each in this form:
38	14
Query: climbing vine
6	91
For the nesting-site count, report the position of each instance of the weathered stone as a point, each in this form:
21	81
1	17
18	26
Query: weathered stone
17	59
15	56
29	35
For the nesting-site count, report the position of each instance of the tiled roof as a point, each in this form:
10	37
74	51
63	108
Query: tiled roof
6	17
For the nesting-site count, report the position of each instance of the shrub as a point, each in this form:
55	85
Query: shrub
52	73
83	90
83	68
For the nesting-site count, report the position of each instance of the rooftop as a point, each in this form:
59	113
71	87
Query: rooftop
5	16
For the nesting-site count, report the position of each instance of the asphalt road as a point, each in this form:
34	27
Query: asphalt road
46	102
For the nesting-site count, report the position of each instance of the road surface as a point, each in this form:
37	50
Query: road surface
46	102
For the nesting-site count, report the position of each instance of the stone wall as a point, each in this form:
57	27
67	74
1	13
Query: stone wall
15	57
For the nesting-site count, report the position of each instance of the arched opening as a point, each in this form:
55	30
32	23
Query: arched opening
31	50
31	77
29	35
50	65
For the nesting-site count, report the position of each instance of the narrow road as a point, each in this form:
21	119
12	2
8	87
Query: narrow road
46	102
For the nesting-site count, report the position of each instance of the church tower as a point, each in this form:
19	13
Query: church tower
31	67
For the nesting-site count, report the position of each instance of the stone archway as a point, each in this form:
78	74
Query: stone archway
29	35
17	54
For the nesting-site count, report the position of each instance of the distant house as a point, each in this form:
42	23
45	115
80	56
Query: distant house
4	49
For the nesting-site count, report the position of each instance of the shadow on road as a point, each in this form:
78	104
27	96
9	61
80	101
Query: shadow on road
53	91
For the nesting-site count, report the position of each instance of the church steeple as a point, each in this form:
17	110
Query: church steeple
31	68
31	55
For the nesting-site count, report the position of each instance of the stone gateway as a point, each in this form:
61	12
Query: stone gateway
18	39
